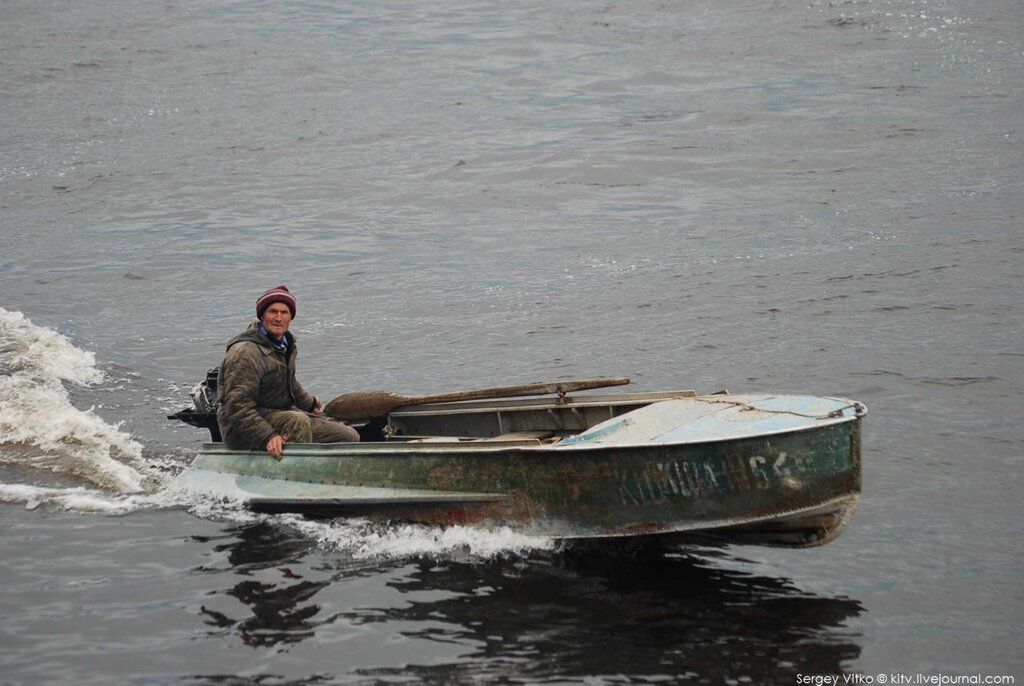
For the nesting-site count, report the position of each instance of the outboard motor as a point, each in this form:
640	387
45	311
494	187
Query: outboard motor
203	413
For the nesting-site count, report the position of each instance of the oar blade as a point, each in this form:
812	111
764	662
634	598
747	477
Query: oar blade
363	405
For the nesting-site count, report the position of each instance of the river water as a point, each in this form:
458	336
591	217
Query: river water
819	197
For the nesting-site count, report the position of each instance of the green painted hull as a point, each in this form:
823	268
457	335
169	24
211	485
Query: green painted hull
788	487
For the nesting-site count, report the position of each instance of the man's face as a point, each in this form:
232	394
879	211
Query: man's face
276	319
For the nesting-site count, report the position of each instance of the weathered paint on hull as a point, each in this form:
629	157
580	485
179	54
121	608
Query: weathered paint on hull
794	489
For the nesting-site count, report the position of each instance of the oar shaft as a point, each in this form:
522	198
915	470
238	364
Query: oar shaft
369	404
541	388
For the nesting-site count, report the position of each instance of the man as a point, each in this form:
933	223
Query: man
260	403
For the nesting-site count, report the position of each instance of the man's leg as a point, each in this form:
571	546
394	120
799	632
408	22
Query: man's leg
293	425
330	431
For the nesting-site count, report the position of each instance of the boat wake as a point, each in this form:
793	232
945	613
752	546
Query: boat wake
40	429
365	540
77	499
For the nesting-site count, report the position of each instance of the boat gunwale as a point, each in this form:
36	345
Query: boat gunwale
470	447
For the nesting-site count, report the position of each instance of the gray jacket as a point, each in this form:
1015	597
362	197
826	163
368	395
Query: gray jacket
253	377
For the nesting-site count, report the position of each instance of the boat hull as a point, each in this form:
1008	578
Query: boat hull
791	487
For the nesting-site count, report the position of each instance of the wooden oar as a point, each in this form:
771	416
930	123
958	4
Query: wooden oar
369	404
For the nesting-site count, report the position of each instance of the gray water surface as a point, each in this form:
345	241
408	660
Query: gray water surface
817	197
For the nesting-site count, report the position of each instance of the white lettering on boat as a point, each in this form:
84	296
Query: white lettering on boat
674	479
779	461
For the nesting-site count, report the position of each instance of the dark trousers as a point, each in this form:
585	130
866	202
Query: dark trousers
296	426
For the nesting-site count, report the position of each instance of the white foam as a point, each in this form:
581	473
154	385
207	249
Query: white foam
35	410
359	539
77	499
362	539
367	540
42	353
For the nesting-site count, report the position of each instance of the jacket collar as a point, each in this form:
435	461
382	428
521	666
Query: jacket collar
252	334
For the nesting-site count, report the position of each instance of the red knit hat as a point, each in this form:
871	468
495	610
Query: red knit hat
277	294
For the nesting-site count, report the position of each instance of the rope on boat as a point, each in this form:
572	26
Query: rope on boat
859	409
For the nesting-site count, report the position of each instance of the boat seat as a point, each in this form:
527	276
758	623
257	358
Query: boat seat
510	437
428	439
538	436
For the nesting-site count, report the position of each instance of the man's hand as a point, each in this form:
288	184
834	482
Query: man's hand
275	446
317	407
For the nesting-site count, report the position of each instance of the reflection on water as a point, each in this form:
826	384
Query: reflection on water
551	615
655	616
280	612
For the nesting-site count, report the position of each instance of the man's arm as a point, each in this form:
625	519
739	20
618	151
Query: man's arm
303	399
240	377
